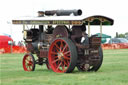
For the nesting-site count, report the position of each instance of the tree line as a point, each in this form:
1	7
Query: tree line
125	35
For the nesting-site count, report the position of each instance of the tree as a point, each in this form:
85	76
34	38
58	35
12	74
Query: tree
121	36
125	35
117	35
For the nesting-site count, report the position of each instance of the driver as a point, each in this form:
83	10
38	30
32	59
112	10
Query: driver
49	30
78	32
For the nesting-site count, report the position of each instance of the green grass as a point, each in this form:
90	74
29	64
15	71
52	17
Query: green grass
114	71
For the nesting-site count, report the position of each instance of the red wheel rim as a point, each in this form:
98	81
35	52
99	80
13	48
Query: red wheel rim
59	56
28	63
48	66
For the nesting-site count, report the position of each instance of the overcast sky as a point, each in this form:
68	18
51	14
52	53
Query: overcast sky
116	9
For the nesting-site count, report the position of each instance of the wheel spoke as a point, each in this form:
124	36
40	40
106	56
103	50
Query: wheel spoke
27	67
26	63
30	68
65	57
27	59
57	47
30	58
58	66
66	52
61	45
53	53
63	67
68	62
65	62
55	61
64	47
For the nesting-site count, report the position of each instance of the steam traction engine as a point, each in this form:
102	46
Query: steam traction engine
61	42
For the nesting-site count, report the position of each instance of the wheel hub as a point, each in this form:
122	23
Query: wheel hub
60	56
30	63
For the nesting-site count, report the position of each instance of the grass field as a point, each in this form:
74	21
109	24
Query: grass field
114	71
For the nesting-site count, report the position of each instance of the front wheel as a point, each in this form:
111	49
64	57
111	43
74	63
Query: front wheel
62	55
28	62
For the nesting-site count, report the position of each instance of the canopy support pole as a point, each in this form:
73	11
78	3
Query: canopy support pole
23	27
89	29
69	26
100	29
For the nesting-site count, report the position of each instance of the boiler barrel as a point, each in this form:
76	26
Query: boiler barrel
63	12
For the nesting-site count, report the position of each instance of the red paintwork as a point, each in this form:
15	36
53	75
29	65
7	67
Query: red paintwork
4	41
57	63
15	49
27	63
123	45
115	46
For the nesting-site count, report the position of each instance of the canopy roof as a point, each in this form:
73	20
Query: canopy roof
103	35
64	20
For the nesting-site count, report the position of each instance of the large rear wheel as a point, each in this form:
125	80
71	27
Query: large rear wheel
87	67
62	55
99	62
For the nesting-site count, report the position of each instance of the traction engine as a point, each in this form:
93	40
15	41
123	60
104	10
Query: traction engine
62	42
